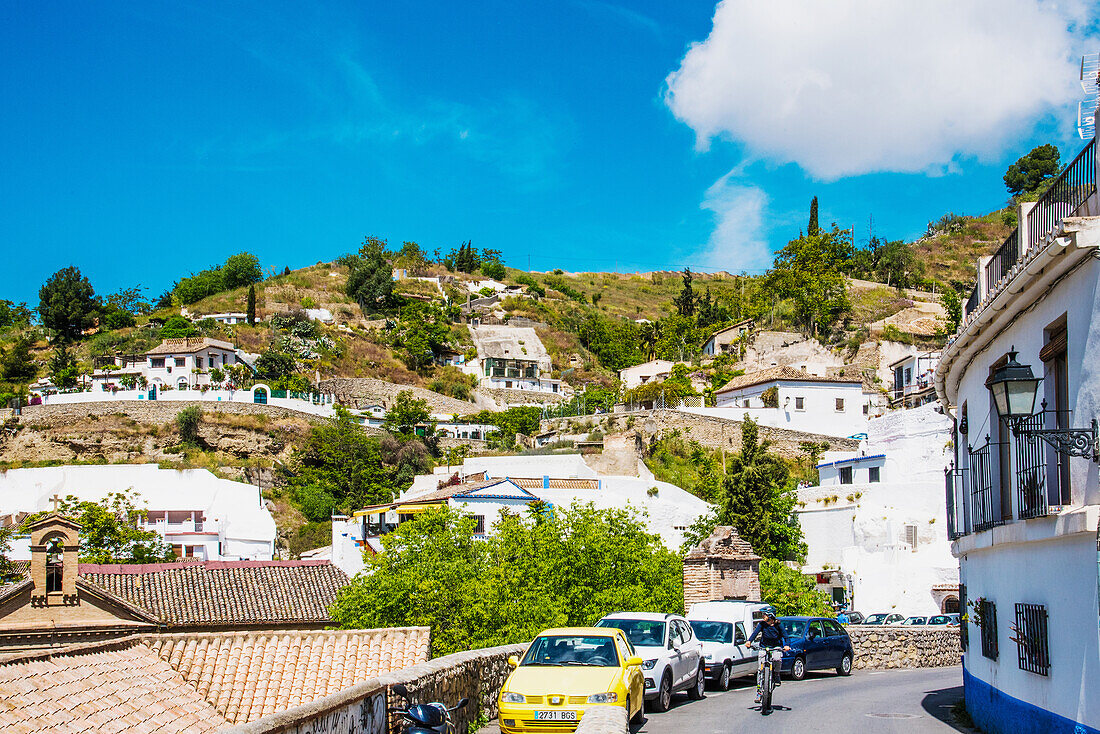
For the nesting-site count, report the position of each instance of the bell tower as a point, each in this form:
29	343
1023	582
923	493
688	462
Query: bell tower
55	553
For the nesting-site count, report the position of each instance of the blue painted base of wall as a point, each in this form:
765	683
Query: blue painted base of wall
995	712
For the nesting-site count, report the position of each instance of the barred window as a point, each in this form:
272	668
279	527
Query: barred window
1030	636
987	612
964	627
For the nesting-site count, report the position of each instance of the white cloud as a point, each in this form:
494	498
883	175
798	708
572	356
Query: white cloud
848	87
737	242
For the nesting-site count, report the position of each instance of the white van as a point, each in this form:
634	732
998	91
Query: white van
724	628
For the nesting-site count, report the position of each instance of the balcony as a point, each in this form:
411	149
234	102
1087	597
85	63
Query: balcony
1068	196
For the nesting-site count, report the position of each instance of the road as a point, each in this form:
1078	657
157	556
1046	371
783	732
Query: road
869	702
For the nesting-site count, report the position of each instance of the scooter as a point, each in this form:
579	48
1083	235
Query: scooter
426	718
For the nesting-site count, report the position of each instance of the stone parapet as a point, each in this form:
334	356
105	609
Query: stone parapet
904	647
477	675
603	720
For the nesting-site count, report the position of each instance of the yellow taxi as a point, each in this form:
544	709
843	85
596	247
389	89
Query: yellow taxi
566	671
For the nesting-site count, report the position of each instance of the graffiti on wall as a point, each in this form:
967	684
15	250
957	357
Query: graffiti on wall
367	716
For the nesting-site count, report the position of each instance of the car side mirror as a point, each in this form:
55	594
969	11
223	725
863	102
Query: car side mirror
462	703
740	639
633	660
513	661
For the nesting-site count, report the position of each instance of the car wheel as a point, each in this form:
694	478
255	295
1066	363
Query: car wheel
845	667
698	689
724	678
664	696
798	668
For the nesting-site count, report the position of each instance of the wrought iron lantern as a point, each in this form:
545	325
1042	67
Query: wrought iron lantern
1014	387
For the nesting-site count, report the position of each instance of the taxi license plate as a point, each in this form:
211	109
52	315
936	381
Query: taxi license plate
556	715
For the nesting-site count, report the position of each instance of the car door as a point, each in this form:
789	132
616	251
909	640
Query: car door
675	654
837	646
745	661
682	666
635	680
816	646
694	650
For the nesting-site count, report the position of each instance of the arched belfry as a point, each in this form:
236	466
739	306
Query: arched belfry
55	559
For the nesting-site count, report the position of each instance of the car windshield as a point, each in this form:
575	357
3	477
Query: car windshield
641	632
915	620
939	620
874	619
713	631
562	650
793	627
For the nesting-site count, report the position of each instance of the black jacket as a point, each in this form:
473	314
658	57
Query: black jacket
770	635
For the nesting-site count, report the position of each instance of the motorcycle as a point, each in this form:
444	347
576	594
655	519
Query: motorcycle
426	718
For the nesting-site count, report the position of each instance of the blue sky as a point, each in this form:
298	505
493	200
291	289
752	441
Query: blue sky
142	141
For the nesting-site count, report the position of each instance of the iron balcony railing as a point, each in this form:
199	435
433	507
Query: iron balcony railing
1031	469
973	301
1068	192
1002	261
982	508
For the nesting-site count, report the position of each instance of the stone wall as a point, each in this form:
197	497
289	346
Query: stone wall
603	720
477	675
715	433
905	647
145	411
504	397
360	392
720	578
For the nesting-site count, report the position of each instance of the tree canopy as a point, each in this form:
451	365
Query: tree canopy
406	413
1031	171
370	281
111	531
810	272
240	270
537	570
67	303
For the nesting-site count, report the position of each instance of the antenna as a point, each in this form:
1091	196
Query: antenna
1086	108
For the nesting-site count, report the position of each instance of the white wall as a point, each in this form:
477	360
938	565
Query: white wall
818	415
210	396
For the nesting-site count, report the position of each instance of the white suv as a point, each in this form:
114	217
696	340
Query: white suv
671	653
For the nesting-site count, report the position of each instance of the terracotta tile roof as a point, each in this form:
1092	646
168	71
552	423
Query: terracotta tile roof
225	593
559	483
188	346
249	675
116	687
723	542
773	374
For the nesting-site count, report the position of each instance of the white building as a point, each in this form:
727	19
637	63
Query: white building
1024	507
198	514
724	340
784	397
225	318
488	484
175	364
513	358
655	370
911	379
875	526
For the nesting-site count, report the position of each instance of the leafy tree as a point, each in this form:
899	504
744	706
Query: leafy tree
188	421
16	363
370	281
199	286
274	365
67	303
685	302
240	270
759	499
406	413
116	320
129	300
164	300
790	592
251	308
422	331
812	228
63	369
532	284
315	502
177	327
1031	171
492	269
8	570
14	315
615	342
952	304
111	531
545	569
810	272
412	258
522	419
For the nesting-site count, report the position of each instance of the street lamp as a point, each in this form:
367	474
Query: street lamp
1014	387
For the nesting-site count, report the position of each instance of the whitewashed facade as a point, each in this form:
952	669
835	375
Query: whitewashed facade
1024	516
175	364
655	370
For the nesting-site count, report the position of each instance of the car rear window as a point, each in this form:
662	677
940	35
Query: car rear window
713	631
793	627
641	632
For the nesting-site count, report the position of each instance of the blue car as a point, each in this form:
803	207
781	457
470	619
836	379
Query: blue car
817	643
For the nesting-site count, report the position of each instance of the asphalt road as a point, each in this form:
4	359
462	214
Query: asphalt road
869	702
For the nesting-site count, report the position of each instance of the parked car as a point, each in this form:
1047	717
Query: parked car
566	671
914	621
671	653
884	619
723	628
816	643
944	620
853	618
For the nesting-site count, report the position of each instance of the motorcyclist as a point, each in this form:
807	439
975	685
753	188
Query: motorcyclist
771	636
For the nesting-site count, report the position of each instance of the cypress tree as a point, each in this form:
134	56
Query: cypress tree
251	305
813	228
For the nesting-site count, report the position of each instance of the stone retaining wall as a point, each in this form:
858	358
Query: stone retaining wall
904	647
477	675
146	411
359	392
716	433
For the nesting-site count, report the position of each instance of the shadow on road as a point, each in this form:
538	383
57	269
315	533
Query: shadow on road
938	705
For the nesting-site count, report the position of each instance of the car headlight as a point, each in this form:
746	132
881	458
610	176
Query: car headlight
509	697
648	664
610	697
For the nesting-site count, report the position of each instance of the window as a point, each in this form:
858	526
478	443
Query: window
987	615
1056	386
815	630
964	628
911	535
156	363
873	474
800	403
866	409
833	628
840	405
908	375
479	526
181	361
1032	653
845	475
55	565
